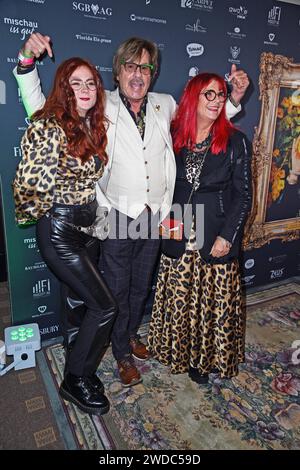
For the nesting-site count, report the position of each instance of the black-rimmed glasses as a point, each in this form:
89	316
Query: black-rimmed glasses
211	95
131	67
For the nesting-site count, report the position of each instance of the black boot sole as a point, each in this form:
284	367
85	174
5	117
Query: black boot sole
199	379
87	409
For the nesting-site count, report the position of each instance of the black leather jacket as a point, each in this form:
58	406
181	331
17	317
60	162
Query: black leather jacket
226	194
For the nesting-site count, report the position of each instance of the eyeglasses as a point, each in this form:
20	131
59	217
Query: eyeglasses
211	95
131	67
79	84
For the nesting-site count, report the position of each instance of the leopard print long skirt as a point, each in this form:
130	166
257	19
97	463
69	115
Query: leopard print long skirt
198	318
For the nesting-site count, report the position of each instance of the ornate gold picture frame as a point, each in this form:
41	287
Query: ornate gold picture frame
276	154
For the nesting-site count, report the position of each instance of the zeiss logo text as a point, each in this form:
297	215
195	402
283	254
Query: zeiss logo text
276	273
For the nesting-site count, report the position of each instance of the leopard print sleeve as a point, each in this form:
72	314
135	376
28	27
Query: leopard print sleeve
34	183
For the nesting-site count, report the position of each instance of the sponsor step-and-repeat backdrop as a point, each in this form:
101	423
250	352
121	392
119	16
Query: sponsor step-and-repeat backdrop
192	36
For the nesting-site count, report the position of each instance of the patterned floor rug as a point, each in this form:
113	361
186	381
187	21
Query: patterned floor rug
258	409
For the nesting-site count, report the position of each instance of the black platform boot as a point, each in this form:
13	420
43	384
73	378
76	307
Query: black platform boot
83	390
195	376
79	390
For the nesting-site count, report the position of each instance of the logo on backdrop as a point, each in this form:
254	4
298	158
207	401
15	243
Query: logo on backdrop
193	71
39	266
103	69
249	263
240	12
277	259
274	16
235	52
196	27
41	288
36	1
236	33
248	280
92	37
194	49
27	122
30	243
186	3
17	152
205	5
2	92
21	26
276	273
49	329
42	309
270	41
134	17
92	10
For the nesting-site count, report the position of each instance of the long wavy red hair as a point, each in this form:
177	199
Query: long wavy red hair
184	125
61	103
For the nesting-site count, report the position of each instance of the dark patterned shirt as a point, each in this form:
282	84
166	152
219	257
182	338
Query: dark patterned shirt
140	117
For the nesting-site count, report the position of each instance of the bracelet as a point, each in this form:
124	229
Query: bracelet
26	61
25	54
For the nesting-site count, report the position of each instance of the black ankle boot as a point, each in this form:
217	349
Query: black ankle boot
80	391
195	376
96	383
93	378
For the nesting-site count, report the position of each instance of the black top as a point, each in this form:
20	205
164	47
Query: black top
224	193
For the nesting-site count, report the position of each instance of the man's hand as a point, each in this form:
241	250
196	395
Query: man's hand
240	82
36	45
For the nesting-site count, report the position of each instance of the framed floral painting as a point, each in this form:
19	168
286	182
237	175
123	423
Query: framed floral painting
276	155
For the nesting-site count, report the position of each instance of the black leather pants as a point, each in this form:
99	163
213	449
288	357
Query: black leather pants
72	257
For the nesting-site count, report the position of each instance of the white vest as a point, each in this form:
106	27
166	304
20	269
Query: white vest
137	176
139	172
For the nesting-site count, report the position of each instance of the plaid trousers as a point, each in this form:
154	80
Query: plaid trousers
128	265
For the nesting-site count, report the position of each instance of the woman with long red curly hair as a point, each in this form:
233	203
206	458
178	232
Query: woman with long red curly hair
197	323
55	187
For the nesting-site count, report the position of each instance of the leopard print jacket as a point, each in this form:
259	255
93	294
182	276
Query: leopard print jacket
47	174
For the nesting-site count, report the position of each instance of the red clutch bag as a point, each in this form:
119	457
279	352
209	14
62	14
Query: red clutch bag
171	229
